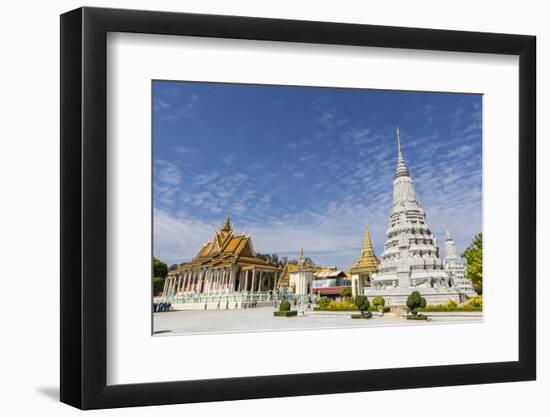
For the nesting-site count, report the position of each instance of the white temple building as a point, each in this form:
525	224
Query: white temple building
410	260
301	279
453	265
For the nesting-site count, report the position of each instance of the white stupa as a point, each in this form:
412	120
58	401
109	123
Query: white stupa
410	261
454	267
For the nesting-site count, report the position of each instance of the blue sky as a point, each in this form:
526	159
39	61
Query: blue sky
308	166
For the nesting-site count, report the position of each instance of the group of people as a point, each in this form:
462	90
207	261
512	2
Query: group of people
161	306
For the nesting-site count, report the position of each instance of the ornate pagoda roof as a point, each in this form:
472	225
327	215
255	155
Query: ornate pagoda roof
368	262
225	249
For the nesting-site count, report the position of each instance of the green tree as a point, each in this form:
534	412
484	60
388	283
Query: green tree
158	285
160	269
272	259
474	257
345	292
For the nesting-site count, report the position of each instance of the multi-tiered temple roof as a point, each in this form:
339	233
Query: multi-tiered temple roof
368	262
227	248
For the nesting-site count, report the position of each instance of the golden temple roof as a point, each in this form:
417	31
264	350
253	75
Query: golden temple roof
368	262
226	249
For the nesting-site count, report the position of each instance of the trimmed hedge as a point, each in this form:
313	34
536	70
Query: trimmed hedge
346	308
291	313
446	308
285	305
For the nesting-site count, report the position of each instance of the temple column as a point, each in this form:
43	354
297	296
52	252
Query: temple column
260	281
172	285
177	283
182	281
180	286
232	279
246	281
186	281
210	278
253	280
164	287
171	289
241	280
225	279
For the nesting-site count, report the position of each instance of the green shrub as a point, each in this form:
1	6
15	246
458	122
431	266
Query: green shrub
333	308
445	308
379	303
285	313
452	303
324	302
346	292
362	303
285	305
415	301
475	302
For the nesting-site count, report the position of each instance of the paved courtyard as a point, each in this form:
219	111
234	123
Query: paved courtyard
262	319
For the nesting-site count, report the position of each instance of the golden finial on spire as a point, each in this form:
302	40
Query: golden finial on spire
367	244
227	225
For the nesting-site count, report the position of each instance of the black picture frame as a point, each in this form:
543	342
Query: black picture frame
84	207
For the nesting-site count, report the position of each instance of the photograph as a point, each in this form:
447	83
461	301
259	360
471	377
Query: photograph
279	207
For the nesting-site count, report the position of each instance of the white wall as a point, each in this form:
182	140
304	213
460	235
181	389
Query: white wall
29	100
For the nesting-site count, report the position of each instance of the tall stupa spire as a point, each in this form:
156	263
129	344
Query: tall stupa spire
401	170
410	260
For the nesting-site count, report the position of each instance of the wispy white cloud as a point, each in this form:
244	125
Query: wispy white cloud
170	112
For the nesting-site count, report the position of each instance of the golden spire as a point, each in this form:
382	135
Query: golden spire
367	244
368	262
227	226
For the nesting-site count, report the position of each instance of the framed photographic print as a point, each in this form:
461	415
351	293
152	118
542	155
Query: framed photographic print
245	201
